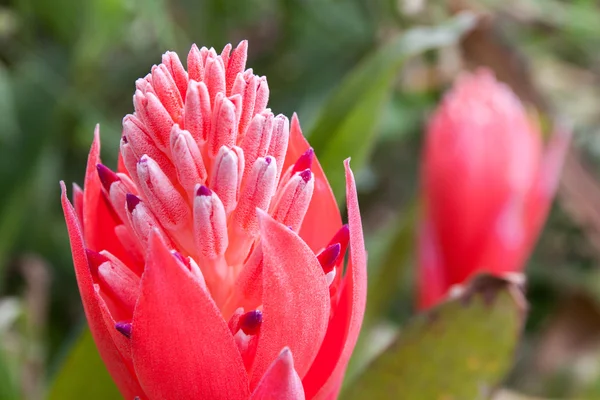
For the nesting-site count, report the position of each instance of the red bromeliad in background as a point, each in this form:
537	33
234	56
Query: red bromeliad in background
487	184
210	264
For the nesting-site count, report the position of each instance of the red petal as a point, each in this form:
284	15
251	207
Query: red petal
78	202
121	165
323	218
248	289
113	360
281	381
295	299
181	345
99	220
122	343
329	366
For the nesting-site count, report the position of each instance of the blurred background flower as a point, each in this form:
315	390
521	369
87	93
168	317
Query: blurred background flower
364	76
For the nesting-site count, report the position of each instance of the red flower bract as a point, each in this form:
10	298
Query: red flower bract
210	263
487	185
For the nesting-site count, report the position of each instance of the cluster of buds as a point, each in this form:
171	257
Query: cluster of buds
211	262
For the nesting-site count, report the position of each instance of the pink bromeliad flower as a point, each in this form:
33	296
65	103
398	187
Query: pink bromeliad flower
211	263
487	185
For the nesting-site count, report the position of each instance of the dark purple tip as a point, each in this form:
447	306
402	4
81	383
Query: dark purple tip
95	259
250	322
132	201
306	175
107	177
124	328
328	257
268	160
124	139
304	161
203	191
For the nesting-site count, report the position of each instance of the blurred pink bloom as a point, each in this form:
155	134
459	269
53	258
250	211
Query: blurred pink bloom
487	184
210	264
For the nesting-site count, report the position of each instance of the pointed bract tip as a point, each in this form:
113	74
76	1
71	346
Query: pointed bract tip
286	356
285	351
124	328
132	201
95	259
107	177
304	161
250	322
203	191
342	236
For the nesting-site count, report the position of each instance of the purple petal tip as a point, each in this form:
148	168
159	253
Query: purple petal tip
304	161
124	328
306	175
328	257
107	177
251	321
203	191
132	201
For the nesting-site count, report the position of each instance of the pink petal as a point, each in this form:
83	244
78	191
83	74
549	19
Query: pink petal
181	345
115	363
323	218
99	220
281	381
328	368
295	299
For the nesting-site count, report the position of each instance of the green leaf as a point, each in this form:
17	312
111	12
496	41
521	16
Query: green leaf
8	388
348	121
83	374
393	267
459	350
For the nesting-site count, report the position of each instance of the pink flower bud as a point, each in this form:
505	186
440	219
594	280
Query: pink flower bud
482	167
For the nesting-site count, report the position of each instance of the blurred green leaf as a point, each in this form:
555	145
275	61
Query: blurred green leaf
392	269
459	350
11	214
347	123
8	122
83	374
8	390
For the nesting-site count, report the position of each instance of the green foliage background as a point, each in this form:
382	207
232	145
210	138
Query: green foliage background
363	80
